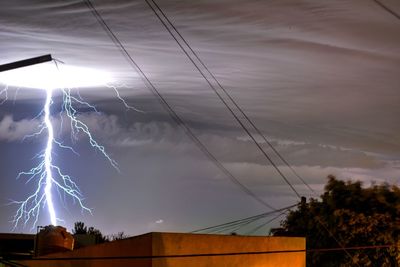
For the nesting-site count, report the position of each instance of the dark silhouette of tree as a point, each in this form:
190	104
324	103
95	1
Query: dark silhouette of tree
354	216
118	236
81	229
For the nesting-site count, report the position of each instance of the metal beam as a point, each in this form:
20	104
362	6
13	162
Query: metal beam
25	62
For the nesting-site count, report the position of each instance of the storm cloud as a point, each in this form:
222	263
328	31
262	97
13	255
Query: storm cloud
319	79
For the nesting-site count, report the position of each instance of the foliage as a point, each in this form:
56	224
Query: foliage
80	228
348	215
118	236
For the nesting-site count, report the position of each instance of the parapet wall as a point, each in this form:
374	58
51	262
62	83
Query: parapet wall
184	250
236	250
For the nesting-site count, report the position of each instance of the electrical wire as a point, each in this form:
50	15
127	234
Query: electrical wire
334	237
169	109
228	95
243	220
387	9
266	223
237	106
180	122
213	254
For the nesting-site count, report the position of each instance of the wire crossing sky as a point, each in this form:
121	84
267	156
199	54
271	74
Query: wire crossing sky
318	79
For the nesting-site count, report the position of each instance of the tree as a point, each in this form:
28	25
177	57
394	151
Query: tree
80	228
118	236
348	215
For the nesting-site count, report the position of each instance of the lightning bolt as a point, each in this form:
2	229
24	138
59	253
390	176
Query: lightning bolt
47	175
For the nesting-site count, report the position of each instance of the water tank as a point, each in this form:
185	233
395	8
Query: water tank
52	239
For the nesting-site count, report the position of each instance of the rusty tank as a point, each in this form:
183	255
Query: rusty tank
53	239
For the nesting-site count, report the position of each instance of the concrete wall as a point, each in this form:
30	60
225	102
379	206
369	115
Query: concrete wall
14	246
161	244
179	244
135	246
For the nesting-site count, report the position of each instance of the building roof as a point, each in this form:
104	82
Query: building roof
16	246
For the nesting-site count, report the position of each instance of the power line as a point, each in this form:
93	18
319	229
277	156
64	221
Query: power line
387	9
266	223
334	237
214	254
237	228
237	106
228	95
168	108
179	121
235	222
233	228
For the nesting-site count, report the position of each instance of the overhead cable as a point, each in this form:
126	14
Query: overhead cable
169	109
387	9
227	94
265	223
235	104
235	222
48	258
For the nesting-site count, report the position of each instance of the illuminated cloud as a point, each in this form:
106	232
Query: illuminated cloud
11	130
52	76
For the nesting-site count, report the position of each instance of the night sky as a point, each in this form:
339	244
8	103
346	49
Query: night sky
319	78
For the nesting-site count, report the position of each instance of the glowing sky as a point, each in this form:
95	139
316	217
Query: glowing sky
321	79
51	76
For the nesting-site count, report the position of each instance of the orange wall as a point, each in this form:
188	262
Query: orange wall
135	246
173	244
179	244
